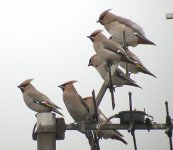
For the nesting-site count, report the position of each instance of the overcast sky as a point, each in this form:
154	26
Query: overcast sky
46	40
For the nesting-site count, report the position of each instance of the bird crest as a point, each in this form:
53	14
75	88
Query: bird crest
95	33
94	61
69	82
102	15
26	82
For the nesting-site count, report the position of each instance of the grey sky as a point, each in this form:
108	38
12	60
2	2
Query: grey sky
46	40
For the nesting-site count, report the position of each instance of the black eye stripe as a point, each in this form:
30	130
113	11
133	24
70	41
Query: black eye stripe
95	33
102	16
23	85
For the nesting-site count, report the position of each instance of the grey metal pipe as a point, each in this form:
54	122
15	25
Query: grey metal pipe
104	86
119	127
169	16
46	131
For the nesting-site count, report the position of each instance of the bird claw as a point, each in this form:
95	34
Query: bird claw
73	124
109	64
112	88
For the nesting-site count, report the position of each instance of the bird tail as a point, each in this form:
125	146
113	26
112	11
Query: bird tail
57	111
58	107
145	70
128	60
134	84
144	40
149	73
115	137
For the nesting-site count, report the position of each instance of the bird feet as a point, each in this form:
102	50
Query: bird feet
111	88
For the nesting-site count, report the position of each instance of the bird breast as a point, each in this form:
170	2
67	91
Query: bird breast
105	54
75	108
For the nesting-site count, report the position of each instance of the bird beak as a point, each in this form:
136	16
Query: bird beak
91	38
61	86
19	86
98	21
89	64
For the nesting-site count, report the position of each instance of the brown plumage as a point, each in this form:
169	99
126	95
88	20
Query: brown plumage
36	100
119	78
136	68
74	102
115	25
106	134
108	50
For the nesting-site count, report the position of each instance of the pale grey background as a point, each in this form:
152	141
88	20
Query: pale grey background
46	40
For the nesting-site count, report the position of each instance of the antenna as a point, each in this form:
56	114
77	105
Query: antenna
48	128
131	123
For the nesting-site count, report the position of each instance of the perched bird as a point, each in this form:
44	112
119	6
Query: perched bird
36	100
108	50
106	134
119	78
116	25
74	103
136	68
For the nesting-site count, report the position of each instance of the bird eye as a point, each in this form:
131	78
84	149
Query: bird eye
102	15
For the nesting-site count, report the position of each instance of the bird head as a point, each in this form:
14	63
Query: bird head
24	84
95	61
62	86
104	17
94	34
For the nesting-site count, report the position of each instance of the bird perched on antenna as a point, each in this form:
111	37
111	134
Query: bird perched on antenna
74	103
116	25
119	78
109	51
36	100
106	134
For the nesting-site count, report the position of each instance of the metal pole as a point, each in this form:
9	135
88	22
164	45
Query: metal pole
130	104
95	108
126	49
46	131
134	139
104	87
131	128
155	126
169	16
169	124
101	94
111	86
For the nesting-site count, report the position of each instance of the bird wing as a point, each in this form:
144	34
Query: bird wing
132	56
114	47
144	69
42	99
122	75
131	24
84	103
